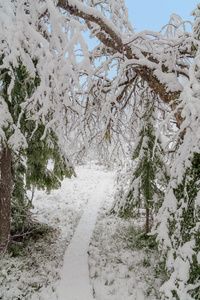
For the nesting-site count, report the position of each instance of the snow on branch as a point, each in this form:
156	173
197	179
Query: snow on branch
160	57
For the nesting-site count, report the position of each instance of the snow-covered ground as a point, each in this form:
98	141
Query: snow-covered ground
90	254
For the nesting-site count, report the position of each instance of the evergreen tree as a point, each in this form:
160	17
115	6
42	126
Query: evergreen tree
178	230
29	162
178	221
149	178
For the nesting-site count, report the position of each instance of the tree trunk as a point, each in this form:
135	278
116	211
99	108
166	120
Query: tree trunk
5	200
147	220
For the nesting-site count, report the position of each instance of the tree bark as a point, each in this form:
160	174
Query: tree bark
5	200
147	220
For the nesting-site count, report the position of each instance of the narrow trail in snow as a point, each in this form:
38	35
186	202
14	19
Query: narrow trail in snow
75	282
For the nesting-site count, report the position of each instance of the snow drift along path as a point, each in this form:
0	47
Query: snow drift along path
75	282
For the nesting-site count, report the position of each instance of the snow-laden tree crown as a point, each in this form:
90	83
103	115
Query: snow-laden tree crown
48	38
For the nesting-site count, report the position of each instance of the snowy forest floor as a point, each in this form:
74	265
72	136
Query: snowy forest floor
121	264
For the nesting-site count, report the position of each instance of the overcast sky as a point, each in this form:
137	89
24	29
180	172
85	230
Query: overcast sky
153	14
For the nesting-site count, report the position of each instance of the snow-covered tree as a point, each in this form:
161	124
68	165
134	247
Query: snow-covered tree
178	221
178	228
29	164
35	103
149	178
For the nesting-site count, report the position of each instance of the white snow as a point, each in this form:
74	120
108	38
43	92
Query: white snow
75	284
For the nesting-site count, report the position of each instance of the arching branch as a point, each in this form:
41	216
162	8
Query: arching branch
112	38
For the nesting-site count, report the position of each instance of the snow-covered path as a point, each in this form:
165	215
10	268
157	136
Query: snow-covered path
75	282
